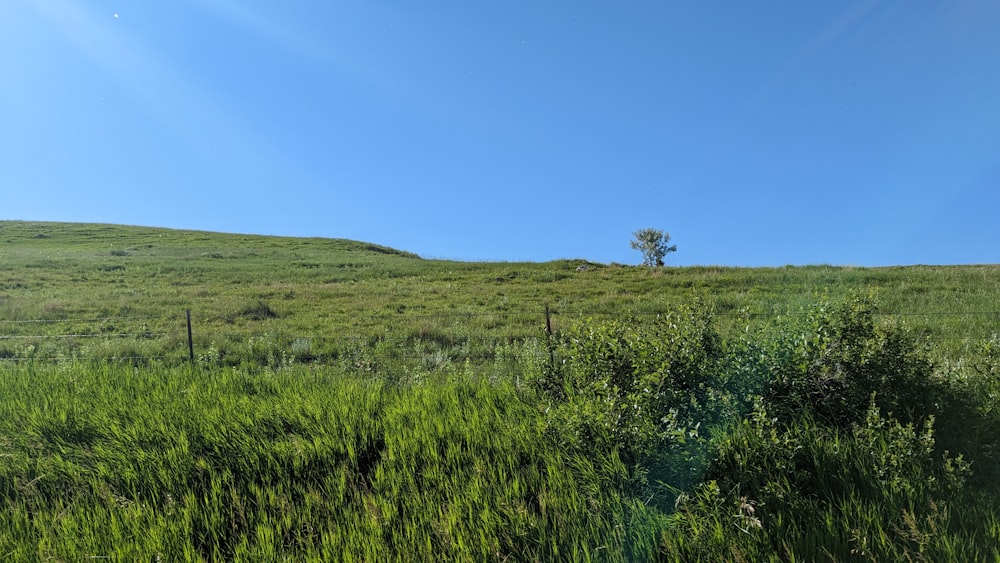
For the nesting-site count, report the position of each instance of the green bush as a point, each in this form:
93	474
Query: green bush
803	490
833	365
843	459
647	389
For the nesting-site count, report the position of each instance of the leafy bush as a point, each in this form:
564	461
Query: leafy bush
841	359
809	491
986	380
842	457
648	390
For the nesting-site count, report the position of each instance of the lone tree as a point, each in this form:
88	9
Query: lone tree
653	243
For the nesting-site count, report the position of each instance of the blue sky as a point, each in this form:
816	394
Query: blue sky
755	133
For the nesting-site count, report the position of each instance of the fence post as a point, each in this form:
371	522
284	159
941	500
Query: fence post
190	339
548	341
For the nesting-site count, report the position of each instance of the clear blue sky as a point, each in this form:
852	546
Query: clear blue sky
756	133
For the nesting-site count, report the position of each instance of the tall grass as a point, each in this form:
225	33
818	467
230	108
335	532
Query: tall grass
174	463
614	442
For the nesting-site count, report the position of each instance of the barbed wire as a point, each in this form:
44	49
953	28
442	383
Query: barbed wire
72	320
525	314
57	359
141	336
342	341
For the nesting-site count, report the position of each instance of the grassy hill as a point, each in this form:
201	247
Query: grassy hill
354	402
126	282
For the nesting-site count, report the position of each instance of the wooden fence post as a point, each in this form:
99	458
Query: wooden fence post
548	340
190	339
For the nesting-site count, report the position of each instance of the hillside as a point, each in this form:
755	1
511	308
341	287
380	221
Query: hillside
349	401
125	282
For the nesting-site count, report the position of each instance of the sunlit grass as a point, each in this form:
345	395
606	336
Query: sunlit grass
125	291
352	402
181	464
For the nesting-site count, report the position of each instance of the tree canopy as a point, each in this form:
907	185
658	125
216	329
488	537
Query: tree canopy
654	245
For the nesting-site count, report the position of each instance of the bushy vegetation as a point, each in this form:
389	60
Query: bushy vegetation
857	449
687	426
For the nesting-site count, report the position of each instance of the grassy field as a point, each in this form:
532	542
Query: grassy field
355	402
260	296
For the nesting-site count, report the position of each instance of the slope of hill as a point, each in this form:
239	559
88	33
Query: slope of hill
354	402
119	282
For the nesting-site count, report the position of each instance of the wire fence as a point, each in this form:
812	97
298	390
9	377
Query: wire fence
18	343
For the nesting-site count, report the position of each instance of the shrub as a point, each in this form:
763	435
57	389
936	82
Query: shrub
841	359
259	311
809	491
647	389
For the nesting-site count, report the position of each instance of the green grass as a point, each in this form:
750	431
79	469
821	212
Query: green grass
354	402
126	289
184	464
